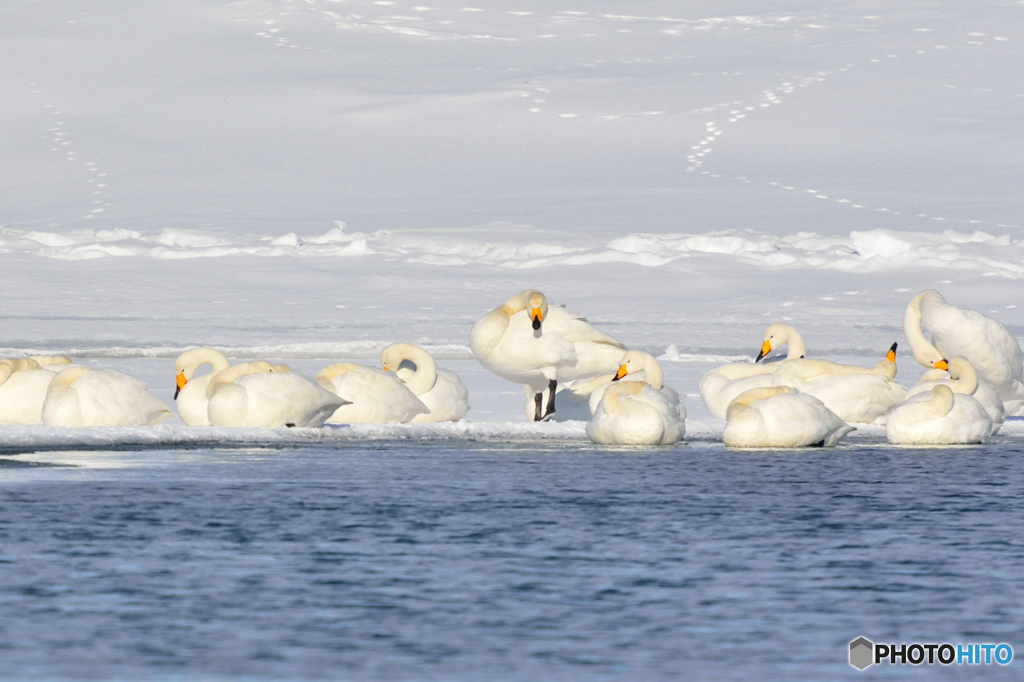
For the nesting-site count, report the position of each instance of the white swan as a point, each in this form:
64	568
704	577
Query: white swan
529	343
439	389
23	387
373	395
81	396
963	379
779	417
719	386
190	394
636	412
939	417
855	394
264	395
986	343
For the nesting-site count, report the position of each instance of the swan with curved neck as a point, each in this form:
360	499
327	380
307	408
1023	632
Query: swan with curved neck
190	391
939	417
261	394
962	379
372	395
778	335
81	396
23	387
986	343
528	342
640	412
780	417
439	389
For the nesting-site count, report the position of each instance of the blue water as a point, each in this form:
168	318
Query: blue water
472	561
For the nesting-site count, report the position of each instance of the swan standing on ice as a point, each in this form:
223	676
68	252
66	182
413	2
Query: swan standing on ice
719	386
23	384
855	394
963	379
939	417
374	395
439	389
636	412
779	417
986	343
81	396
526	342
190	394
264	395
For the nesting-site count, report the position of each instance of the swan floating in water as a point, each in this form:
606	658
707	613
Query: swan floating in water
986	343
719	386
190	394
374	395
636	412
80	396
780	417
855	394
23	384
527	342
962	379
439	389
264	395
939	417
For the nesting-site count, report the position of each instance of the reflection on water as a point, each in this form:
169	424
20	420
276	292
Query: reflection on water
464	560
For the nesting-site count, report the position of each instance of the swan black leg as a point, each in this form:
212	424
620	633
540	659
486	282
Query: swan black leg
538	401
551	398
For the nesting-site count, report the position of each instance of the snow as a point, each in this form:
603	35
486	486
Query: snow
310	181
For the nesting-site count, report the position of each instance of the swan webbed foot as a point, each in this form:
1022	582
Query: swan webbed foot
538	401
552	385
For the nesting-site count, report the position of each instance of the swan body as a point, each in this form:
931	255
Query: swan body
855	394
963	379
263	395
80	396
636	412
527	342
23	385
986	343
190	394
372	395
719	386
780	417
939	417
439	389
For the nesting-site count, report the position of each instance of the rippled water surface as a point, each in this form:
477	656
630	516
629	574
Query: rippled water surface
468	561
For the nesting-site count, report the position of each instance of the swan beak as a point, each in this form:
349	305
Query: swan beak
536	314
766	348
942	364
891	355
621	373
386	368
181	384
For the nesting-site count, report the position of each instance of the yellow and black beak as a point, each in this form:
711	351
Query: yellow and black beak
942	364
766	348
621	373
536	314
386	368
181	384
891	355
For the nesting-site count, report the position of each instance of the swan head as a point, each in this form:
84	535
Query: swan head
778	335
191	360
537	307
635	361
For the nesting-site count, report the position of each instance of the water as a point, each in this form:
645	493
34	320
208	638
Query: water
469	561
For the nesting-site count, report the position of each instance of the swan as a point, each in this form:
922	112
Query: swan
529	343
265	395
986	343
780	417
962	379
939	417
23	387
190	394
636	412
372	395
855	394
439	389
82	396
719	386
51	363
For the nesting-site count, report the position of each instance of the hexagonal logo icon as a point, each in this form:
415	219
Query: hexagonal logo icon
862	653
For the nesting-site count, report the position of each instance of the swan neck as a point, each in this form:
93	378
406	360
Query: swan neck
796	347
425	376
924	352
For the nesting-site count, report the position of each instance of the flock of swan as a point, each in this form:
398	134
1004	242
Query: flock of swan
974	382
